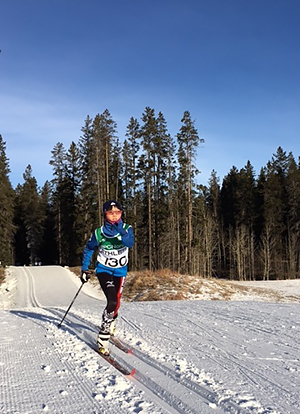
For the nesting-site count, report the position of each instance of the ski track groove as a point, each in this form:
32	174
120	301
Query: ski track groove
203	392
59	399
130	323
259	329
229	362
30	289
233	360
164	395
208	396
83	387
258	379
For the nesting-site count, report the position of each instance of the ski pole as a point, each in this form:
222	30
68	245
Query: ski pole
59	325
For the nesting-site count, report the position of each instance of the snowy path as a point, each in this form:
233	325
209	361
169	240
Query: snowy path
190	356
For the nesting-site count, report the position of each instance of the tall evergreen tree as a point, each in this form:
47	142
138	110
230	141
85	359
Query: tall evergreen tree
58	162
130	181
31	214
48	249
130	153
229	198
88	200
146	166
238	197
293	218
70	209
167	206
162	154
6	209
188	141
21	251
115	172
212	229
104	133
275	216
65	199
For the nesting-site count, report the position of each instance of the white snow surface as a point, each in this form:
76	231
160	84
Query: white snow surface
191	356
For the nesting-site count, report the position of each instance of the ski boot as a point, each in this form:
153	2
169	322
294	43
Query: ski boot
103	343
104	334
113	326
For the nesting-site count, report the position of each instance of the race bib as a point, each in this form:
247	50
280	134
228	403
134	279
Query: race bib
113	258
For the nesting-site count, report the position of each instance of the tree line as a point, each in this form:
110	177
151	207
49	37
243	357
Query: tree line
248	228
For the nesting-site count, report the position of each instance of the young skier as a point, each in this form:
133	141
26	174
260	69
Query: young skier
112	240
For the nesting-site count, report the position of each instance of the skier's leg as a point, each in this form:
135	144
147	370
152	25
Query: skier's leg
119	284
108	287
108	284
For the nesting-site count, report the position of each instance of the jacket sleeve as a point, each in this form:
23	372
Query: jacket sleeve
128	238
88	251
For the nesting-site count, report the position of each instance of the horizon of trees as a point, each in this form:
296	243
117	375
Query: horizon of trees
248	228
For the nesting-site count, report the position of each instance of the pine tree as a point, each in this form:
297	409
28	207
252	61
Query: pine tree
212	228
48	250
88	217
275	216
245	223
104	134
130	155
238	197
65	200
31	214
115	172
70	209
6	209
146	166
229	211
21	248
58	162
160	201
188	141
293	218
166	203
130	178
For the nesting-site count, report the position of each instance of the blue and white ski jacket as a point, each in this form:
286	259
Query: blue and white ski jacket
112	249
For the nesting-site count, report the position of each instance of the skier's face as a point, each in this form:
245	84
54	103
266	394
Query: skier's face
114	215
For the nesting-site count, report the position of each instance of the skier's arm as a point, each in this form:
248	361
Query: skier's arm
126	234
128	237
88	251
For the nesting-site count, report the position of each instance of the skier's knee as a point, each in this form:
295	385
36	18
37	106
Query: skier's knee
111	307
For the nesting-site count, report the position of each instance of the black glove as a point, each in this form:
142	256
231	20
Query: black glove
85	275
120	229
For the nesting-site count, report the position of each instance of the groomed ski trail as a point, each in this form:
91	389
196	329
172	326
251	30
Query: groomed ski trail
238	358
164	392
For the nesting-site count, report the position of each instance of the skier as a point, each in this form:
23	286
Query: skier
112	240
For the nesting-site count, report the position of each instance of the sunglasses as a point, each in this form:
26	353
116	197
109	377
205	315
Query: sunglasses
113	212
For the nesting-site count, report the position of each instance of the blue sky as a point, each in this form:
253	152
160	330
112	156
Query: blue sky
234	64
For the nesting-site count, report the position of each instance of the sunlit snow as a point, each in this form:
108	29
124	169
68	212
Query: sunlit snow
192	356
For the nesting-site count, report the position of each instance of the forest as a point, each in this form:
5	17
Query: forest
245	228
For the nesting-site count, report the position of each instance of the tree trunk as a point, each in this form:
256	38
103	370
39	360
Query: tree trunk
149	224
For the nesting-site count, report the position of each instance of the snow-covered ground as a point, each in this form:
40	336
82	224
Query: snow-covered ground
192	356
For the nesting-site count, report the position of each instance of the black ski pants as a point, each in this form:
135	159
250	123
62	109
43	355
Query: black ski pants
112	287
